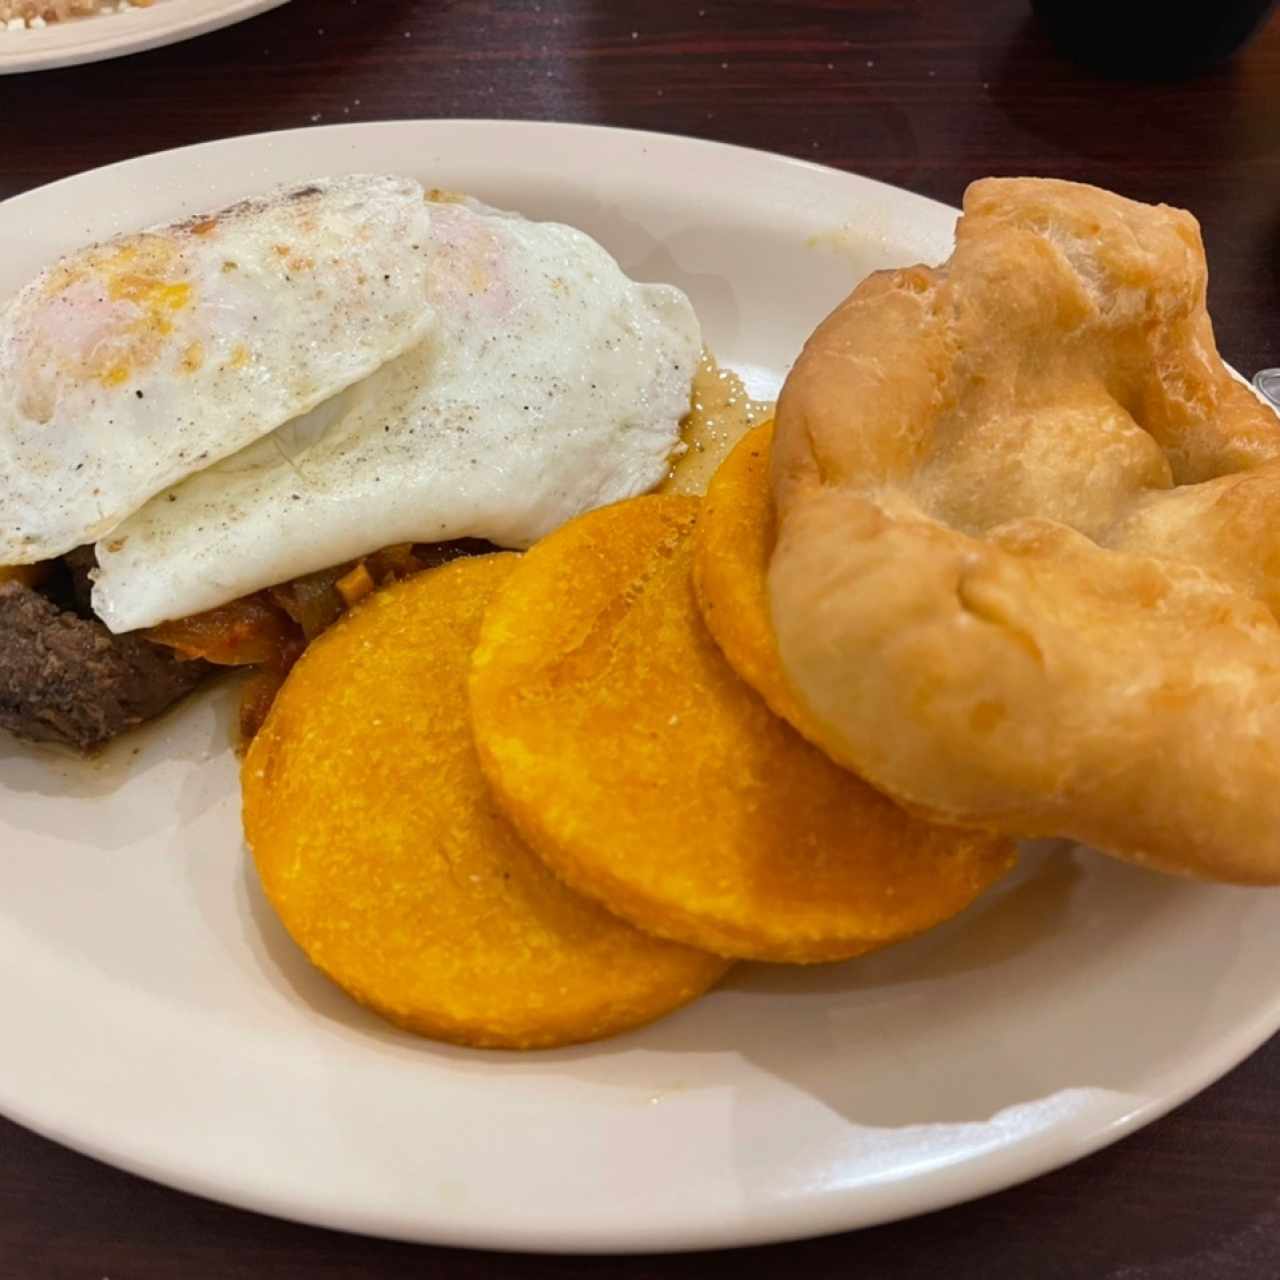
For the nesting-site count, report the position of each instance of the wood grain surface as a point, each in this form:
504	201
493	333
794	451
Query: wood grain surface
923	93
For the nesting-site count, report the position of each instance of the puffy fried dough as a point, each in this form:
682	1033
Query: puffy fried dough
1028	555
732	546
383	854
630	756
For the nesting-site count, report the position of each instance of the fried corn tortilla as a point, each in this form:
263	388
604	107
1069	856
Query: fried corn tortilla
732	546
649	776
382	852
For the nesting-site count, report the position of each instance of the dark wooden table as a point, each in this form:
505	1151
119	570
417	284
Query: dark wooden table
926	95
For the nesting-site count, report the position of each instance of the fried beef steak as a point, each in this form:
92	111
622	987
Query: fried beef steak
65	678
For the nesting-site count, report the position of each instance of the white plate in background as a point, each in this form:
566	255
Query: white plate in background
112	35
157	1017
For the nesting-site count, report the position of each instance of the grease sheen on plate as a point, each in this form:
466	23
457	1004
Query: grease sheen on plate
992	1049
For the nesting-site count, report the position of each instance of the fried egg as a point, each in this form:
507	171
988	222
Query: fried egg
551	383
128	365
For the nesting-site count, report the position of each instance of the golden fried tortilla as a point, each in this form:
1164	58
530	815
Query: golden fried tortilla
1028	554
650	777
732	546
383	854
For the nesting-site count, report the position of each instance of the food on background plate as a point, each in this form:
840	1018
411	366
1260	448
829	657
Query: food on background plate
319	388
382	851
38	13
1026	567
648	776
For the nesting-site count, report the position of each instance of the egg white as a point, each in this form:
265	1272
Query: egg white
550	384
132	363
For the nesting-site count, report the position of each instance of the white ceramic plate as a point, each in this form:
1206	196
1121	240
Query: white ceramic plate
93	39
156	1016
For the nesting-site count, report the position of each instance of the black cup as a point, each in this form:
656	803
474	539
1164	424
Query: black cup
1142	39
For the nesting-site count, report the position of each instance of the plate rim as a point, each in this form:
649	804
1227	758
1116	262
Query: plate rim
1019	1162
485	123
1011	1163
